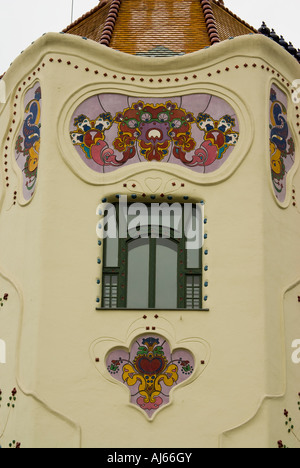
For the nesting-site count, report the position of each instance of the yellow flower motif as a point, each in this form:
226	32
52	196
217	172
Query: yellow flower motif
276	160
34	156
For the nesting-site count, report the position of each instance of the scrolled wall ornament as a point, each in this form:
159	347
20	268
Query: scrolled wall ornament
150	370
197	131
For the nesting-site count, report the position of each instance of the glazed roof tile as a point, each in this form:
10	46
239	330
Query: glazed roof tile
91	24
229	24
160	28
141	26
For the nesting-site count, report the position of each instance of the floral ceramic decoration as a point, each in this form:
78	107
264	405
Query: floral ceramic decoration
282	146
150	370
27	148
197	131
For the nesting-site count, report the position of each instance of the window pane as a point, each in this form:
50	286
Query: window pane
194	234
110	291
138	220
138	274
193	292
192	258
111	252
166	220
166	274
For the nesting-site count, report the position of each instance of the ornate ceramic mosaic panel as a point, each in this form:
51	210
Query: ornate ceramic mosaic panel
27	147
282	146
150	370
197	131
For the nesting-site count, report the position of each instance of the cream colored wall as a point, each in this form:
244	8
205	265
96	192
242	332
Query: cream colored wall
49	251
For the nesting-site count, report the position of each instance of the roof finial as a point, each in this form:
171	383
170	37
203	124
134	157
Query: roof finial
264	29
292	50
274	36
283	42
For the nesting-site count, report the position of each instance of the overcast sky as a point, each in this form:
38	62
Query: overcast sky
24	21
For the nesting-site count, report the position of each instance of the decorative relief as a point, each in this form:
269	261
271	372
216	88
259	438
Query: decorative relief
154	185
27	147
5	413
10	311
198	131
3	299
150	370
150	364
282	146
290	427
289	413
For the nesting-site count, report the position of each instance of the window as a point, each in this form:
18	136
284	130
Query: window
154	266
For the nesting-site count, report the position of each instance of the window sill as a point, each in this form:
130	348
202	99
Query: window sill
154	310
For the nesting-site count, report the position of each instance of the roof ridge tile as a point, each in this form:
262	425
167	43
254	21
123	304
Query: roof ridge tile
210	21
110	22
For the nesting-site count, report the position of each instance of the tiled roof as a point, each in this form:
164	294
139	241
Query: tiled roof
159	28
173	24
91	24
228	24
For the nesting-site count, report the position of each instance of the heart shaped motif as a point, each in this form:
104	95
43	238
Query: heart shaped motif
153	184
150	366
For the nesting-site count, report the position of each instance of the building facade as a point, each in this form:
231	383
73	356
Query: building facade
142	342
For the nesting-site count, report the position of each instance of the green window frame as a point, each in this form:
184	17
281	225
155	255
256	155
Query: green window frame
116	281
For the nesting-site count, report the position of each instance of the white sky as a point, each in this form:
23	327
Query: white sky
24	21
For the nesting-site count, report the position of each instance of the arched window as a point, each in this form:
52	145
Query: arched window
156	265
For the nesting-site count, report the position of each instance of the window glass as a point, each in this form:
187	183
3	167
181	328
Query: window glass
138	274
166	274
110	291
192	258
138	220
111	252
157	263
166	219
193	293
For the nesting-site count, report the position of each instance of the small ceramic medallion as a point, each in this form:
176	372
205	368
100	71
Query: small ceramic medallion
150	370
